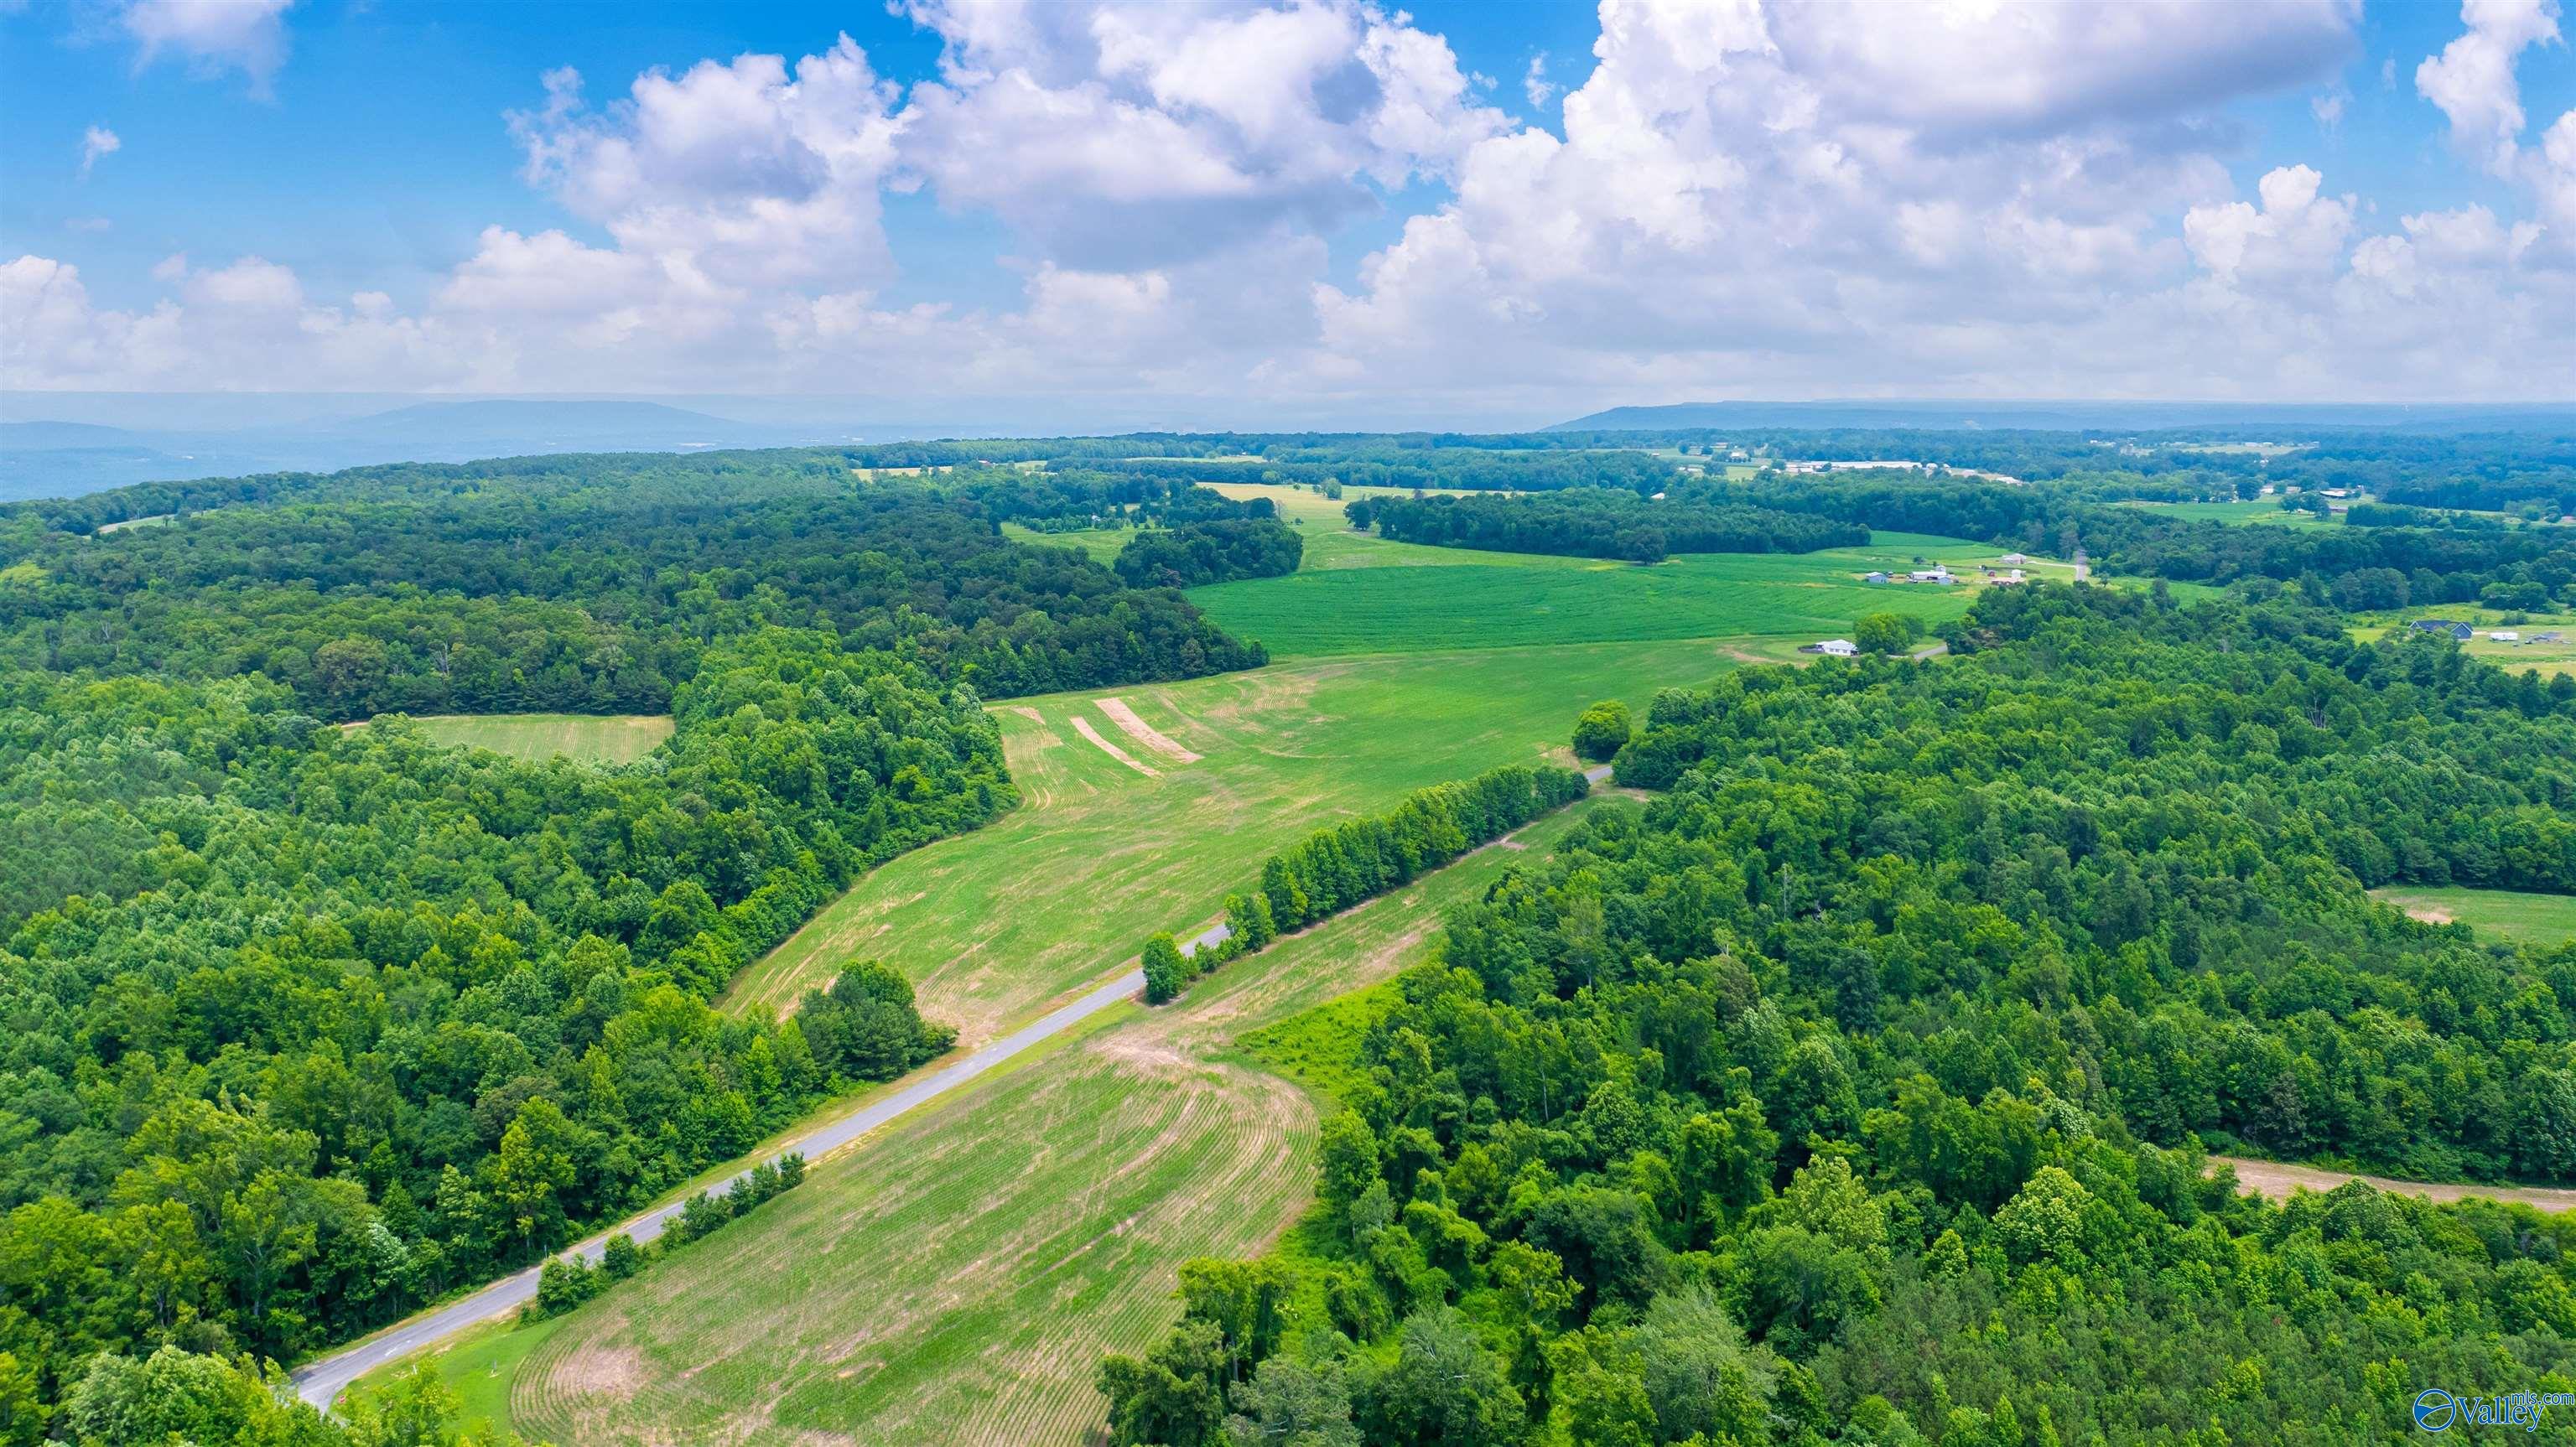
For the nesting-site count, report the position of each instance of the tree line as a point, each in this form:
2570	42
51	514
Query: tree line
532	591
1860	1088
1592	522
1333	869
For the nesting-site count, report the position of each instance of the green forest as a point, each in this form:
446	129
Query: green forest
1860	1086
311	1025
1600	523
1855	1077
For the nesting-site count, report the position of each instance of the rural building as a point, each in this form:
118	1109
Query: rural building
1835	648
2336	491
2504	635
1873	577
2460	631
2012	558
1930	575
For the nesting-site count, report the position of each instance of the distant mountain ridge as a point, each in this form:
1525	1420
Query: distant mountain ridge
2080	416
66	459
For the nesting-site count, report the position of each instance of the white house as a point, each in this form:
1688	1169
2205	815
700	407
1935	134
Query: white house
2504	635
2012	558
1838	648
1873	577
1930	575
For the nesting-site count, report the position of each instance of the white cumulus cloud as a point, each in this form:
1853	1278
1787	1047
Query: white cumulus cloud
213	35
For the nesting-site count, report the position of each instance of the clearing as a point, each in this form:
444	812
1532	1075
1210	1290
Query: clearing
1057	894
2505	914
956	1277
1378	596
587	738
2277	1180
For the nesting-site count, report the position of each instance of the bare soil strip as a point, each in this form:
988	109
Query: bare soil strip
1145	733
2274	1179
1083	727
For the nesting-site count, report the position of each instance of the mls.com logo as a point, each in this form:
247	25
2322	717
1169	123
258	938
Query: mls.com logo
2437	1410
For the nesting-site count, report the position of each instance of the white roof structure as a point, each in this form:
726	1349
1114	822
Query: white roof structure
1838	647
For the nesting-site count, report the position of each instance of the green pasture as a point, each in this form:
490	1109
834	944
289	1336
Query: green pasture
615	739
1059	893
2505	914
2260	510
1456	598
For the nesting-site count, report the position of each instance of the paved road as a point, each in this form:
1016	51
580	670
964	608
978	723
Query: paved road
322	1380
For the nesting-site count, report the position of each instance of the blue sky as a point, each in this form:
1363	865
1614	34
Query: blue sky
365	148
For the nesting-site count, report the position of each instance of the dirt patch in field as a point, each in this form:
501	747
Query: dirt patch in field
1145	733
2276	1180
2429	913
1083	727
594	1370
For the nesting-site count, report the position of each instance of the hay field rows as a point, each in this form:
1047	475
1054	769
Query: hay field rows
956	1278
1059	893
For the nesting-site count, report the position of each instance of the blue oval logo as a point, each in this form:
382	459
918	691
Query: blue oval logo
2435	1410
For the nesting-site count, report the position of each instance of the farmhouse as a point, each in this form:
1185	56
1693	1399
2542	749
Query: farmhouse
1930	575
2012	558
2460	631
1873	577
1833	648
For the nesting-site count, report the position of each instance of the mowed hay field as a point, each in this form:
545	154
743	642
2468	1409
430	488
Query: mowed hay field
1363	594
1061	892
2504	914
613	739
956	1278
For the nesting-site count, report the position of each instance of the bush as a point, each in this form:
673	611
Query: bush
621	1258
1886	633
1602	731
1165	970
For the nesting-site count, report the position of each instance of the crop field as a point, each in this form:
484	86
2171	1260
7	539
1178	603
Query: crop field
2504	914
1059	893
1455	598
618	739
956	1278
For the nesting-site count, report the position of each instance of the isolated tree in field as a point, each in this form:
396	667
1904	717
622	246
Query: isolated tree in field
1165	970
1884	633
1602	731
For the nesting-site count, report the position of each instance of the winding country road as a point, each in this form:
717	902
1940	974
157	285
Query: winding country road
321	1380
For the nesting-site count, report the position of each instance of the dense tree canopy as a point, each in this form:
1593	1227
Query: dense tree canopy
1596	522
309	1025
1857	1088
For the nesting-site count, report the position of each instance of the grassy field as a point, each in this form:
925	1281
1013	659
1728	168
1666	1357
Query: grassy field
1102	544
955	1278
2260	510
1452	597
1057	894
2549	658
2537	919
619	739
